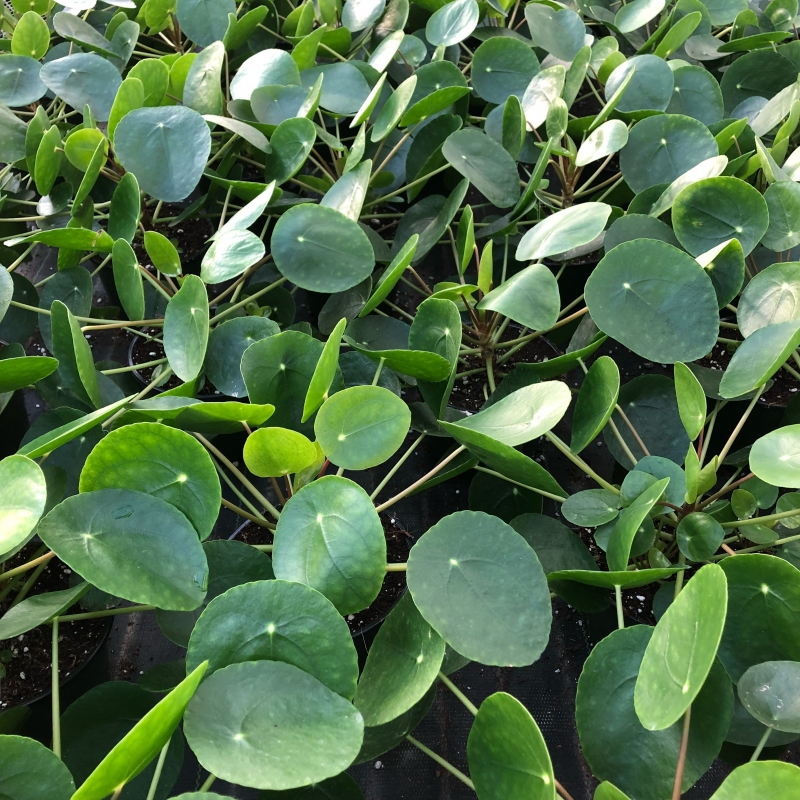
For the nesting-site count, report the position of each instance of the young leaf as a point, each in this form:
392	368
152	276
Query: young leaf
682	650
691	400
324	372
596	401
276	452
141	745
186	328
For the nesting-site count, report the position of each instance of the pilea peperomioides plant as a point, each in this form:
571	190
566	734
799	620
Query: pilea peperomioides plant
254	255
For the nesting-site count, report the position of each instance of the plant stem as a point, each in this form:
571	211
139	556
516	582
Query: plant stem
633	430
441	762
162	757
246	483
427	476
739	426
208	782
676	787
740	523
133	367
622	443
390	474
242	513
620	613
759	547
407	186
729	487
109	612
396	567
459	694
580	463
236	491
242	303
25	567
562	791
679	576
23	592
55	698
760	746
264	548
542	492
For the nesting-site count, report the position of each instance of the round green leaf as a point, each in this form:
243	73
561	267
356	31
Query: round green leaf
273	452
31	37
759	358
681	651
714	210
507	754
530	297
771	693
330	537
452	23
163	253
605	140
773	295
204	21
267	67
696	95
487	164
360	14
631	297
166	148
230	255
772	779
503	66
291	143
186	328
522	415
362	427
23	495
763	599
775	458
699	536
226	345
614	742
31	771
276	621
84	79
591	507
560	31
762	73
637	226
160	461
270	725
321	250
564	230
130	545
402	665
19	80
650	89
596	401
479	584
662	148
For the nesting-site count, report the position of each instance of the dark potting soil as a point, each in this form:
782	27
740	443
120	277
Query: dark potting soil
27	658
471	392
398	543
189	236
